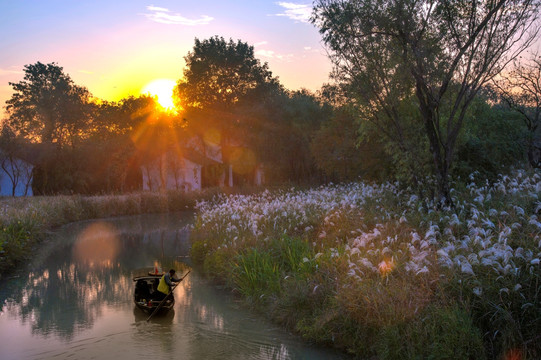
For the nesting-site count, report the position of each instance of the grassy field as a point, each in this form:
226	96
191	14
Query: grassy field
376	271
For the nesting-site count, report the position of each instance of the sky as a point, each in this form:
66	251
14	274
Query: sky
116	48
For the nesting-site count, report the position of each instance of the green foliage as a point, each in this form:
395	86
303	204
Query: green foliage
494	139
293	256
256	275
280	129
198	251
438	53
436	333
217	265
17	241
520	90
339	153
219	73
507	310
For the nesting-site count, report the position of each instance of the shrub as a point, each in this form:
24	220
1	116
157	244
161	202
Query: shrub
17	241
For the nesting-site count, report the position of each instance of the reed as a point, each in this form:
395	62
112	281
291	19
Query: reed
377	260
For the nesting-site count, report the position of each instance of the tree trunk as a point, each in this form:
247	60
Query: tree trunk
440	154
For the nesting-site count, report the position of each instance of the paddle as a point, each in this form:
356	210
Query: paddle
166	296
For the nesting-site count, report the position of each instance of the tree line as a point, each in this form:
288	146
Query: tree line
420	89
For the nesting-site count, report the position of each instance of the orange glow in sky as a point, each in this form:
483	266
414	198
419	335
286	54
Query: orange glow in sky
118	48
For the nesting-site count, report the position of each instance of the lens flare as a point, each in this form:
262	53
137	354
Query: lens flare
386	266
97	246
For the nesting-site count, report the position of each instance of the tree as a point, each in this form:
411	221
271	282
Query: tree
218	76
279	129
127	135
48	107
438	52
520	89
13	155
492	141
338	151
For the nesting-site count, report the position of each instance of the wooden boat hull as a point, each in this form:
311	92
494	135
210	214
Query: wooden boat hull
150	306
145	295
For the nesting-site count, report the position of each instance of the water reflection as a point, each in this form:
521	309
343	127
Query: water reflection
88	266
76	302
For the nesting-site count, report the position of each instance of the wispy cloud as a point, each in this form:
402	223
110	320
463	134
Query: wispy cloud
156	8
86	71
10	72
271	54
297	12
165	16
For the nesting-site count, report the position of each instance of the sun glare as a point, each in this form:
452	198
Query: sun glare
163	89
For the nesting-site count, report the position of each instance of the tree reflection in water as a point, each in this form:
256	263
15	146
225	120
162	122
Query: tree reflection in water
87	266
79	304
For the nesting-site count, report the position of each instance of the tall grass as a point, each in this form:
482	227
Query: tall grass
379	264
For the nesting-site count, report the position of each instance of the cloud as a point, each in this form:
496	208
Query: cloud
10	72
270	53
164	16
273	55
156	8
297	12
86	71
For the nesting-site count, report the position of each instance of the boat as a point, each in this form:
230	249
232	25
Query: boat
144	296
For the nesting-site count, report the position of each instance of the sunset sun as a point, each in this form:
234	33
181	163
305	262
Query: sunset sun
163	89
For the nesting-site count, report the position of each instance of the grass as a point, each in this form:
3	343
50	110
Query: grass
376	271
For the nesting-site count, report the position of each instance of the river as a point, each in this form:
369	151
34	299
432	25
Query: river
75	301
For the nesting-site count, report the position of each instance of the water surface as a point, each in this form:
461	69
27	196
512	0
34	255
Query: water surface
75	301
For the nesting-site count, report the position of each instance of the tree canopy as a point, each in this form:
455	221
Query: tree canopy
221	78
440	52
219	73
48	107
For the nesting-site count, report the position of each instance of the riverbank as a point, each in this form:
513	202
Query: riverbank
24	222
376	271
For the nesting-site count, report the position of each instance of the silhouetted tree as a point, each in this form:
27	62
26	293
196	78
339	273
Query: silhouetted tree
48	107
520	89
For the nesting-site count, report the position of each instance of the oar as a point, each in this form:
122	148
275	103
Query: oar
166	296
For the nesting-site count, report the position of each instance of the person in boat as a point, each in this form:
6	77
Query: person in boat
166	283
